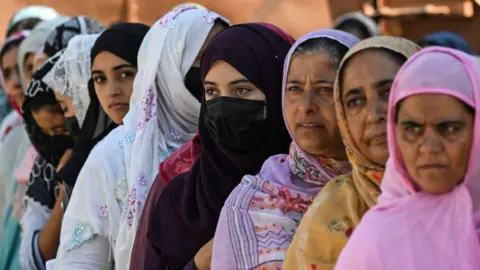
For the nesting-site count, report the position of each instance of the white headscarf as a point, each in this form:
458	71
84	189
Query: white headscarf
35	41
33	12
163	113
72	71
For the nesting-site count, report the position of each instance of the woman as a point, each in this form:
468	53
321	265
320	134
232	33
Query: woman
29	17
448	40
44	122
427	215
29	47
94	228
361	100
241	72
111	60
358	24
286	185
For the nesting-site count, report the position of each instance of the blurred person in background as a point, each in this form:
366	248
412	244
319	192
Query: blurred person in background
448	40
358	24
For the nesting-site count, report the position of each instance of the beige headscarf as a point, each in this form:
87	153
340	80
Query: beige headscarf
339	207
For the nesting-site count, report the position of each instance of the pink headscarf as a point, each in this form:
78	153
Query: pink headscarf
414	230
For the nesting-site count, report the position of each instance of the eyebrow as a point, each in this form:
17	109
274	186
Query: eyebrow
353	91
97	72
383	83
317	81
123	66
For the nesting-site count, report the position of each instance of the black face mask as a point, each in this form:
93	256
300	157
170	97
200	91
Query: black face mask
53	147
72	126
236	123
193	83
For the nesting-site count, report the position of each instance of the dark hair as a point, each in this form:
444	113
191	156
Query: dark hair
47	104
399	104
354	25
333	48
27	24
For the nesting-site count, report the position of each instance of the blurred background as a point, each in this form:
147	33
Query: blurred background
409	18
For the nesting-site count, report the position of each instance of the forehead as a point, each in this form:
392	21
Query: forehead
9	58
222	71
317	63
105	61
370	66
432	106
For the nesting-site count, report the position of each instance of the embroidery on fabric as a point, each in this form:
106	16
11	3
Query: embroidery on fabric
130	137
121	193
81	234
103	212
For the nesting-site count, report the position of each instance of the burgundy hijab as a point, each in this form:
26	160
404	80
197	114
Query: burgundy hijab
181	217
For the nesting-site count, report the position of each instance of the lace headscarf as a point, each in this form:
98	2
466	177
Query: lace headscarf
59	38
72	72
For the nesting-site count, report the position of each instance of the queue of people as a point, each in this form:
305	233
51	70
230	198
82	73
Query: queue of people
197	144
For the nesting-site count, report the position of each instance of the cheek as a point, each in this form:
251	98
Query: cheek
327	111
290	115
102	96
356	127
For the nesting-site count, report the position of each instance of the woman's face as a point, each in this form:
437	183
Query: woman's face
51	123
66	104
309	105
223	80
28	67
11	76
434	134
113	79
366	82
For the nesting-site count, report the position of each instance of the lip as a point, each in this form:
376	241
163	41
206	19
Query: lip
117	105
432	167
379	138
310	125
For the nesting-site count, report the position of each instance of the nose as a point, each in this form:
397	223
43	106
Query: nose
16	80
431	143
377	111
308	104
114	89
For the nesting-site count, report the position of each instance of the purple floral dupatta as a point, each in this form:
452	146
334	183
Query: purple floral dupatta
261	215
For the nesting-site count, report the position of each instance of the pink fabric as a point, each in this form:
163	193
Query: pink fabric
413	230
22	173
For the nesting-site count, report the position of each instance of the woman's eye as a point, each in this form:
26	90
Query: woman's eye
413	129
355	102
293	89
386	93
126	74
99	80
210	92
243	91
450	129
325	90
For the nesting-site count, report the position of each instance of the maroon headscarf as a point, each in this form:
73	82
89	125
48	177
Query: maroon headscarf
178	222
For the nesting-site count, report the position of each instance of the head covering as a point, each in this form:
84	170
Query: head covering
432	231
189	206
123	40
448	40
32	12
35	42
358	17
339	207
59	38
247	236
163	113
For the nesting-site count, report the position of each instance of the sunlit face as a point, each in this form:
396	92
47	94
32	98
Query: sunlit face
434	134
66	104
366	82
12	76
219	26
113	79
50	123
223	80
28	67
310	107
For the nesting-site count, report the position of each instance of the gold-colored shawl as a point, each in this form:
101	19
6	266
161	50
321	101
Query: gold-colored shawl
340	205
